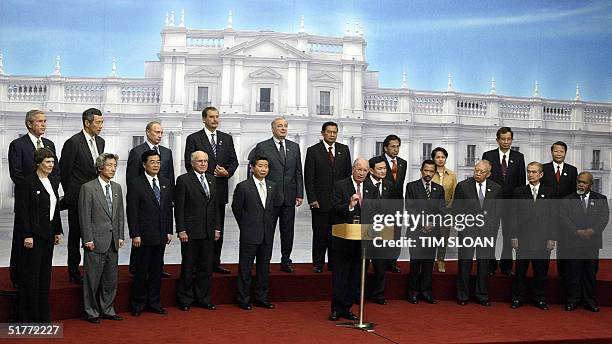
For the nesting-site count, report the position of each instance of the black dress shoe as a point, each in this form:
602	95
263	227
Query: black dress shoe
592	308
334	316
394	269
93	320
462	302
484	303
221	270
317	270
413	299
429	300
160	310
136	313
76	279
541	305
166	274
516	304
209	306
114	317
570	307
381	302
245	306
288	268
184	308
349	316
263	304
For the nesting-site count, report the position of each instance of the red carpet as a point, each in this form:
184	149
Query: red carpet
304	319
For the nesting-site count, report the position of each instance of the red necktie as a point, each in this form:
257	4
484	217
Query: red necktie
504	167
330	157
359	193
558	175
394	170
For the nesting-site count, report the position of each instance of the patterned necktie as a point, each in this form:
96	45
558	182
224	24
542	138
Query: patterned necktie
534	193
39	144
330	157
262	193
109	201
213	144
481	196
359	193
281	150
156	190
558	175
394	170
428	190
204	185
504	167
156	148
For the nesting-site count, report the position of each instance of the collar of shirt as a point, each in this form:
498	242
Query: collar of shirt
198	175
35	139
374	181
333	147
355	185
151	146
277	142
209	133
586	195
103	183
257	181
560	166
501	156
88	137
425	183
536	186
390	160
484	186
150	179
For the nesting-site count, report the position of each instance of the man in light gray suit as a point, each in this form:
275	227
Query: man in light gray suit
285	169
101	218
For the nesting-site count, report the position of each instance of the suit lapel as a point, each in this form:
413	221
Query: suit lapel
192	176
255	191
272	147
147	186
115	191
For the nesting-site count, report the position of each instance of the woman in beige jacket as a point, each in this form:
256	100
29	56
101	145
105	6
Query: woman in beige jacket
448	180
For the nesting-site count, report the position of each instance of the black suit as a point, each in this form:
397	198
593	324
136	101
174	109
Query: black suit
21	165
535	224
198	215
422	257
320	175
226	158
35	263
582	254
466	202
515	177
78	168
402	167
287	174
151	220
256	223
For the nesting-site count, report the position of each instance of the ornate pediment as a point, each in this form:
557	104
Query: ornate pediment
265	73
325	76
203	71
265	47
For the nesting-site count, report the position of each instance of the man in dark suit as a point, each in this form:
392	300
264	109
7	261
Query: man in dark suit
21	165
396	173
196	213
254	207
507	170
423	197
154	132
584	216
534	234
346	254
476	196
222	164
285	170
149	214
561	176
102	229
78	165
326	162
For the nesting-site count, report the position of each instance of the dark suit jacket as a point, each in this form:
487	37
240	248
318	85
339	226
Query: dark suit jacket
226	158
286	174
574	218
535	223
343	190
320	177
77	165
256	221
193	211
567	182
515	175
33	211
134	163
147	219
417	202
402	166
466	202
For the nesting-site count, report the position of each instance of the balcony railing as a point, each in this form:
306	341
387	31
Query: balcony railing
199	106
264	107
325	110
597	165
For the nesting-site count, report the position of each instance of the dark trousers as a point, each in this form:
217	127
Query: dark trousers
74	240
505	262
286	225
378	289
321	236
540	270
581	276
466	254
197	258
218	244
247	254
147	265
346	257
421	268
16	246
35	281
133	259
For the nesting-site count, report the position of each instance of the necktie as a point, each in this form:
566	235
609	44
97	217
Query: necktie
359	193
481	196
330	157
504	167
93	148
156	148
109	201
394	170
262	193
213	144
534	193
558	175
204	185
378	193
156	190
39	144
428	190
281	150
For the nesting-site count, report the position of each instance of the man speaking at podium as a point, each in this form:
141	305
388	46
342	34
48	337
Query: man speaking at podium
347	199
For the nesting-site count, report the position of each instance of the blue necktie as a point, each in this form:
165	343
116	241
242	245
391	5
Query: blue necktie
156	190
213	143
109	202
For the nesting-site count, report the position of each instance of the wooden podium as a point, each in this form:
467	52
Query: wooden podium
361	232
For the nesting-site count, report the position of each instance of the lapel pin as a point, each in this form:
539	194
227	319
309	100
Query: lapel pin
565	174
489	190
542	196
37	192
367	191
434	189
592	203
163	186
511	161
339	153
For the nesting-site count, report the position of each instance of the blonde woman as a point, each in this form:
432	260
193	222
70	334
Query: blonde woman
448	180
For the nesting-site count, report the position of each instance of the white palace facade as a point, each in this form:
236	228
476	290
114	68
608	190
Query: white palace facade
252	77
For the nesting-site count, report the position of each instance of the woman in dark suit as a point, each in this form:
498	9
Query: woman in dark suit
40	229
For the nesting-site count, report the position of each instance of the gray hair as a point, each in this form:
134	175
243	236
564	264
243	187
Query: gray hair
192	156
358	160
276	120
538	164
101	160
30	115
587	174
484	161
